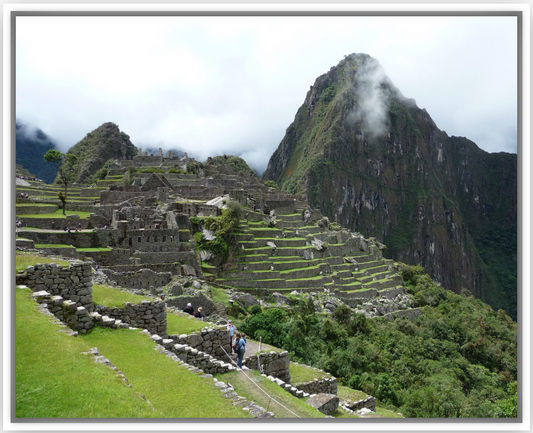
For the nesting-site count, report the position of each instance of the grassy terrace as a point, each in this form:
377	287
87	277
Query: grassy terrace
58	214
253	386
307	268
52	246
55	380
23	260
302	373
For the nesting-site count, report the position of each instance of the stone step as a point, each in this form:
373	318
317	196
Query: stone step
247	258
343	273
299	263
369	264
275	283
266	232
241	237
292	223
291	217
250	275
307	272
254	266
304	231
380	284
282	242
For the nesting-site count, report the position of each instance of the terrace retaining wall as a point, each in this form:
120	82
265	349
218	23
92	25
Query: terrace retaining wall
73	283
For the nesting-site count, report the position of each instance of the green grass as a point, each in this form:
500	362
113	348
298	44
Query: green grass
53	378
33	204
90	250
303	373
53	246
171	389
111	297
220	295
23	260
177	324
350	394
58	214
251	384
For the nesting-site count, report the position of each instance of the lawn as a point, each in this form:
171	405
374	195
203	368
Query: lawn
178	324
23	260
303	373
259	389
53	246
111	297
58	214
55	380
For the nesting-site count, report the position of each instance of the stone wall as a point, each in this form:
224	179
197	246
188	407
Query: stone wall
27	209
146	315
142	279
76	317
367	403
214	341
114	196
272	364
73	283
197	358
325	386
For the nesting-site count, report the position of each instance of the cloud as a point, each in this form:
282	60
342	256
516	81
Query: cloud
214	85
372	94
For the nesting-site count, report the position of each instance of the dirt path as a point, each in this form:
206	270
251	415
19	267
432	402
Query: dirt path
252	347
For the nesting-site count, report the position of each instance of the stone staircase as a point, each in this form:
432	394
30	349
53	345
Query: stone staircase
283	259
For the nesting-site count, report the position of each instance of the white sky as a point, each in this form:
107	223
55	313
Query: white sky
214	85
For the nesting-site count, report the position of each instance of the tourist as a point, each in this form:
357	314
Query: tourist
163	297
188	309
53	226
198	314
231	330
79	227
240	344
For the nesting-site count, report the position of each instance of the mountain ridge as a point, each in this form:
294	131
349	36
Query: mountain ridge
373	161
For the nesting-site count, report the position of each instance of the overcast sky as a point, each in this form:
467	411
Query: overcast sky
215	85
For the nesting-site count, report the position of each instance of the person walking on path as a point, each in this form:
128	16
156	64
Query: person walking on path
231	330
240	343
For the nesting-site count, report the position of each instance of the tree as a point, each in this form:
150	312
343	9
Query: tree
66	165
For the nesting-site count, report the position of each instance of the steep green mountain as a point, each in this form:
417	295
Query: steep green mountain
31	145
105	143
374	162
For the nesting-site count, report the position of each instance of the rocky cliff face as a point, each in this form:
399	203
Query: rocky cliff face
374	162
105	143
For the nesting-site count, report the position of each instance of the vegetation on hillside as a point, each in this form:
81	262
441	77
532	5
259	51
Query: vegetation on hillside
220	227
66	166
99	146
237	164
457	359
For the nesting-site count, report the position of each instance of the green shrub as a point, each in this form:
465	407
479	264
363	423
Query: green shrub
271	184
255	309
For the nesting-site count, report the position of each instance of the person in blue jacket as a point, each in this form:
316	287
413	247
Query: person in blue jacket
240	344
